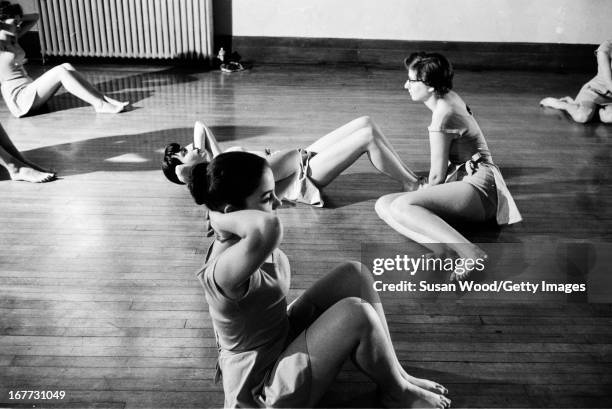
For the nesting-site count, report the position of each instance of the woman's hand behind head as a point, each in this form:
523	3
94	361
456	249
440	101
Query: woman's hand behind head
9	10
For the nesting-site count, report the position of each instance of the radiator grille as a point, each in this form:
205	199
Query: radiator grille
126	28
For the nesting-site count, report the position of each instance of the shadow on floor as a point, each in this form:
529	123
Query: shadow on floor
123	153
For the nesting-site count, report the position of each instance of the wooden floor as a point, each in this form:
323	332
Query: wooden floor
97	290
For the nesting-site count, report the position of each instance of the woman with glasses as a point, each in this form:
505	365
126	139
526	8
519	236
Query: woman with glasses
463	182
24	94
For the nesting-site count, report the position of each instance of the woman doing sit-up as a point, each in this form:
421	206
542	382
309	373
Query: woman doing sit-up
463	181
300	173
23	94
271	354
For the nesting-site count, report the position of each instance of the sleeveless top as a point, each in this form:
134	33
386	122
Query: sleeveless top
468	138
468	144
14	78
251	331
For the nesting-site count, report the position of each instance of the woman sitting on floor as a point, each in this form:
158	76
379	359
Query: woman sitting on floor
300	173
24	95
463	181
271	355
595	95
17	165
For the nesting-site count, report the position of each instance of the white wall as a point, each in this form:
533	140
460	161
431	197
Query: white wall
534	21
531	21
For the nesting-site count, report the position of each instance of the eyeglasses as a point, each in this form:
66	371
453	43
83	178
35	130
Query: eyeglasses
413	81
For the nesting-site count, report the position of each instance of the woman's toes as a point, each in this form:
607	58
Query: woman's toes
27	174
441	389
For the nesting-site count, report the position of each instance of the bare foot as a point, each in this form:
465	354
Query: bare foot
470	252
115	102
550	102
426	384
108	108
28	174
415	397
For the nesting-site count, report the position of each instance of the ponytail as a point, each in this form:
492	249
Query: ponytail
169	163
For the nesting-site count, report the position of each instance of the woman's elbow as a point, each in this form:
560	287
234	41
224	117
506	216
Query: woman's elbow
270	231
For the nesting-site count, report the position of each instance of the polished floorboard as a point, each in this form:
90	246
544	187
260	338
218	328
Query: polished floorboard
98	296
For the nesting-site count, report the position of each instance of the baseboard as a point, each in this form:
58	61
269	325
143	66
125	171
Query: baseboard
390	53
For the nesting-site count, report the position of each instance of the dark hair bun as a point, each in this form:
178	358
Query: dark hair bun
228	179
169	163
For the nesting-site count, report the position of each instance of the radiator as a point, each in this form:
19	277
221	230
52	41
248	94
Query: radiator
126	28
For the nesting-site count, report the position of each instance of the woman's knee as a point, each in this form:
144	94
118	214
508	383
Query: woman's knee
363	122
383	206
354	271
359	313
583	114
605	114
67	66
400	204
364	136
61	70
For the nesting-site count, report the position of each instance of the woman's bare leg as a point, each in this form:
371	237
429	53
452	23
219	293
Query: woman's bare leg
579	112
8	146
351	328
19	170
65	75
340	148
349	279
339	134
284	164
18	166
419	216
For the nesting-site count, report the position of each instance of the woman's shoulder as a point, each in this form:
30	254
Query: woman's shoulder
206	274
444	113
